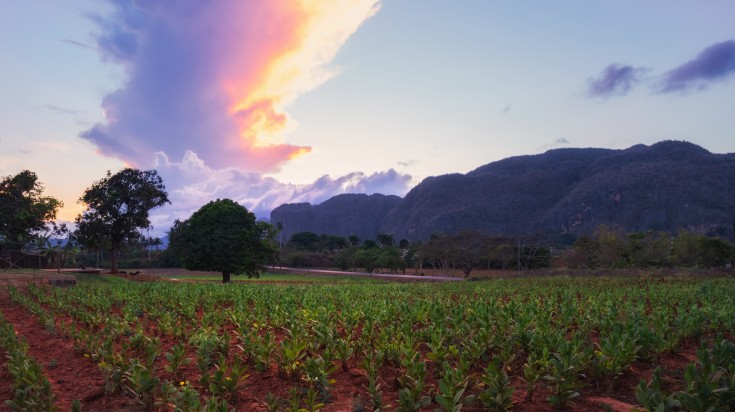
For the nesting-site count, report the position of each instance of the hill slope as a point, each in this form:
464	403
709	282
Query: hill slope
341	215
668	185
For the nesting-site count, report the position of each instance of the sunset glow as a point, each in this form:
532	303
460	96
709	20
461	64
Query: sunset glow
293	66
285	101
223	77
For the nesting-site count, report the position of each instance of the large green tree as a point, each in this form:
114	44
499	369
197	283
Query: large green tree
24	211
117	208
224	236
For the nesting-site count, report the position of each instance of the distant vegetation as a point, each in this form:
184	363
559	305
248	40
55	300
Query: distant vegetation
605	247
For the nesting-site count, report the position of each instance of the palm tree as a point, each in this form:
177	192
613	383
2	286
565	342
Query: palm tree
385	239
354	240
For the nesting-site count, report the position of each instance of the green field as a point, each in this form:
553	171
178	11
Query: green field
490	344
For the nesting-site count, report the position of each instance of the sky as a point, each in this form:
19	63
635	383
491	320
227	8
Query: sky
269	102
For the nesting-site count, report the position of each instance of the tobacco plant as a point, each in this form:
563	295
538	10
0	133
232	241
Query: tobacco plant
141	383
176	359
498	393
452	386
228	378
32	390
410	397
372	362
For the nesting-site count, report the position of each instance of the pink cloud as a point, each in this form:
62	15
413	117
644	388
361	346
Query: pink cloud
215	77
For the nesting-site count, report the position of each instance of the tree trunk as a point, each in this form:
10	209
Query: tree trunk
113	261
519	254
225	277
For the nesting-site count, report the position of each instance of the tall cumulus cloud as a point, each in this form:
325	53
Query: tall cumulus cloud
214	77
208	82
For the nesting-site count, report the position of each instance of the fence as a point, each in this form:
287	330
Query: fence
23	256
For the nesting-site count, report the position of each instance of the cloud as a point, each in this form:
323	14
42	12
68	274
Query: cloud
61	110
192	183
215	77
614	80
562	141
76	43
714	63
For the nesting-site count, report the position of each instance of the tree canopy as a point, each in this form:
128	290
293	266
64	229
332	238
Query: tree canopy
224	236
117	209
24	210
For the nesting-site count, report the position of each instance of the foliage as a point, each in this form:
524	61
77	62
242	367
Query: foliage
372	258
32	390
117	208
305	241
24	211
224	236
565	332
709	383
469	247
498	393
610	248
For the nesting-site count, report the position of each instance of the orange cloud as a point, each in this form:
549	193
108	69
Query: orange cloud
216	77
296	64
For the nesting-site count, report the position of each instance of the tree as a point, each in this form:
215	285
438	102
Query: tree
368	258
583	253
331	243
385	239
439	249
117	209
715	251
224	236
355	241
469	247
305	241
24	211
501	253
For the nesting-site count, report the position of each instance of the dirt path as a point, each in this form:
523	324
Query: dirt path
383	276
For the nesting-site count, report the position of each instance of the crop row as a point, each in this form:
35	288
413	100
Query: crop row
31	389
186	346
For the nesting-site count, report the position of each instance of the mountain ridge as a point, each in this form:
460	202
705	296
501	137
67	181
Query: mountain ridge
669	185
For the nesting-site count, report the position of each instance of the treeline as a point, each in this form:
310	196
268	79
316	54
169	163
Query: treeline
610	248
221	236
472	250
465	251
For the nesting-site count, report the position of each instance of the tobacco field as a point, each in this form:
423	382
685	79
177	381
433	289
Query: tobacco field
577	343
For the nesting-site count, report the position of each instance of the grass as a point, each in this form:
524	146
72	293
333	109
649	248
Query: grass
98	280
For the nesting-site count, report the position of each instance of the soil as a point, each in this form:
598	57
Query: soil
76	376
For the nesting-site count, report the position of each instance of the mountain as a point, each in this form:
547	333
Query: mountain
341	215
669	185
